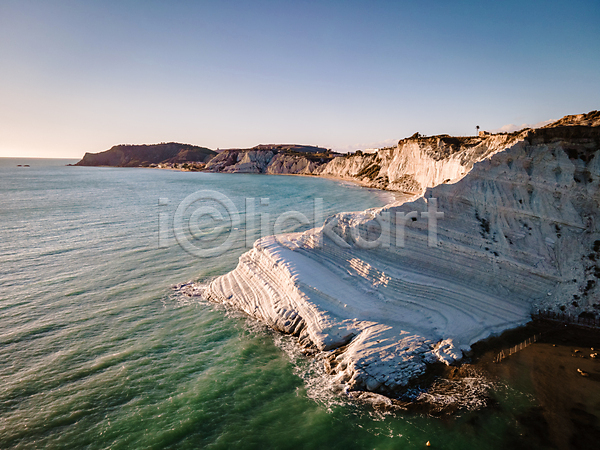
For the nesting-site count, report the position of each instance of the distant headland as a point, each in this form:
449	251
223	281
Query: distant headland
171	154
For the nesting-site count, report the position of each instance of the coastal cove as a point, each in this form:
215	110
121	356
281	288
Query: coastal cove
98	350
300	225
385	299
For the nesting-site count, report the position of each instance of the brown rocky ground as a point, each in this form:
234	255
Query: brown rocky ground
559	371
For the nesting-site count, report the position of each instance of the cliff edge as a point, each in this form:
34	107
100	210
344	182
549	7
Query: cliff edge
413	165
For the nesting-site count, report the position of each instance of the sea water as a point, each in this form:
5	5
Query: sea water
98	351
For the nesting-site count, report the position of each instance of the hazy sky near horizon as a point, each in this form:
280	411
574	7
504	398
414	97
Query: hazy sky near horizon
80	76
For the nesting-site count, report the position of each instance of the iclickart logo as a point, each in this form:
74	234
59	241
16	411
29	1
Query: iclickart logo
207	224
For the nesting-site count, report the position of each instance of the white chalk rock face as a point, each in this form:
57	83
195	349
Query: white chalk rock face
284	164
417	163
253	161
385	292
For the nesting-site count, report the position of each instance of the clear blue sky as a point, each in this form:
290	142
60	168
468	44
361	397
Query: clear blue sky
81	76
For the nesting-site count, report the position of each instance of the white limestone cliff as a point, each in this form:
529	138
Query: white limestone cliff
383	296
417	163
270	159
412	166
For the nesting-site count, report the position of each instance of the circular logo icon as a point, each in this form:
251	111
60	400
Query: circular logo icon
211	207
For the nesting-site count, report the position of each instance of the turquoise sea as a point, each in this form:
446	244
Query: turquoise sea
98	351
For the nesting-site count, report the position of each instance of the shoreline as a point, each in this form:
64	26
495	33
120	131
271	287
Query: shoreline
535	366
393	314
405	196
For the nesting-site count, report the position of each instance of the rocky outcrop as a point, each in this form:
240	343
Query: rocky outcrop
146	155
591	119
288	164
240	161
512	226
271	159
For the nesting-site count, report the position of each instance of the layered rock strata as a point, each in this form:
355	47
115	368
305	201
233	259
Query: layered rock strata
417	162
386	292
271	159
410	167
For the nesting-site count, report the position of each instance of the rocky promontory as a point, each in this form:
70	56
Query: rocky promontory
166	154
500	226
